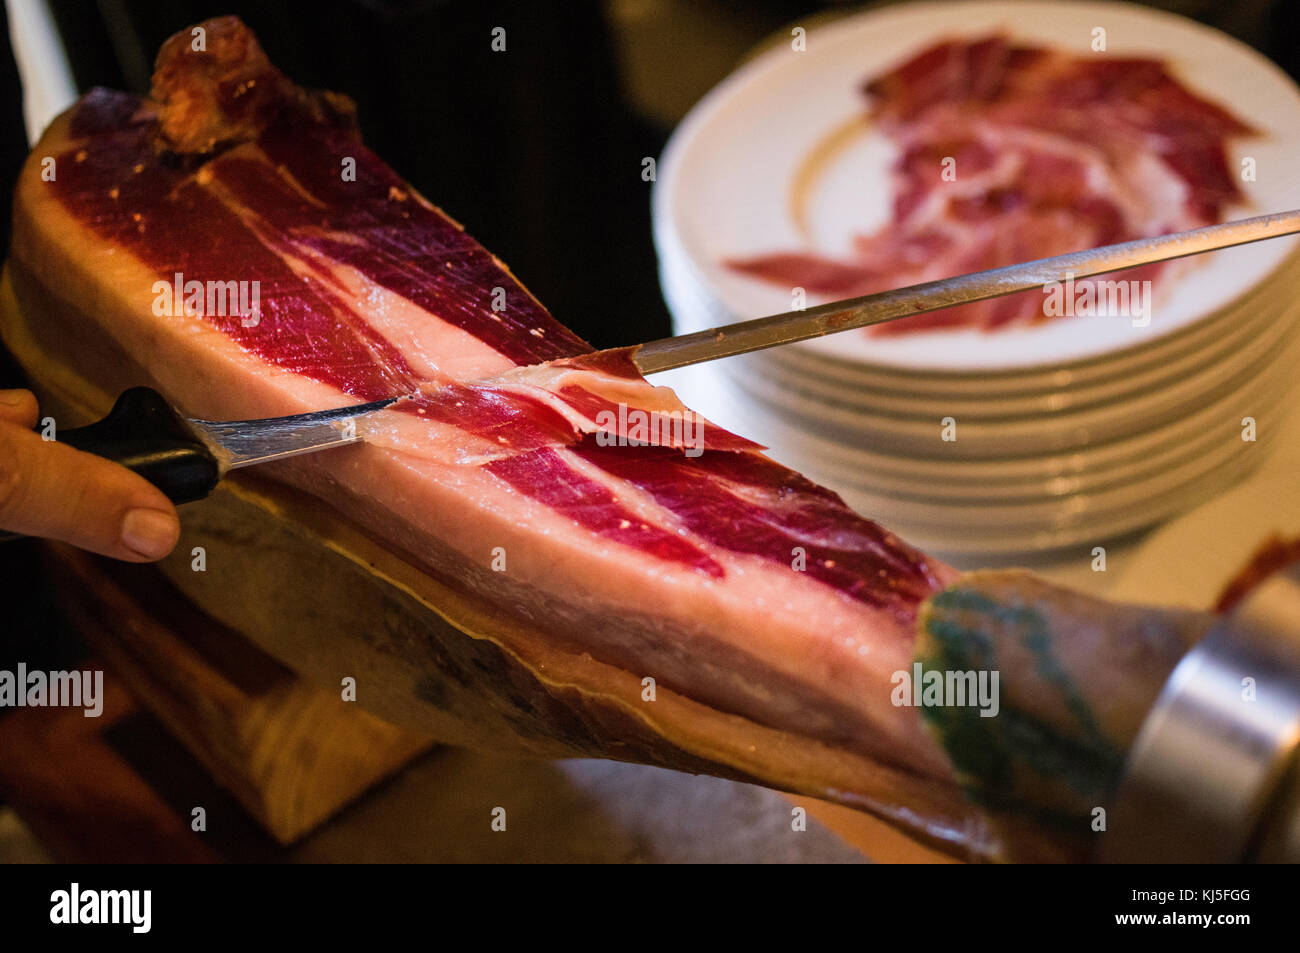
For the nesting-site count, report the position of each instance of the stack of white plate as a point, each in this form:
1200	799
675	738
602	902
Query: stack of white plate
1066	433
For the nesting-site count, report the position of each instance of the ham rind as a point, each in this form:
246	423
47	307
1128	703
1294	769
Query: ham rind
1050	154
587	507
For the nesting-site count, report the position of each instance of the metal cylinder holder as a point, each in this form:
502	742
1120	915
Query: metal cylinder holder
1214	775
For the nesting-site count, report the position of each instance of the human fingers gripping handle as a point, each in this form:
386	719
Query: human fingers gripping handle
144	434
52	489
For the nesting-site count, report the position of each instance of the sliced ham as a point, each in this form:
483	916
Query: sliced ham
1050	153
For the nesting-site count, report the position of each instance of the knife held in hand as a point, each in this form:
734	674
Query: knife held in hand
185	458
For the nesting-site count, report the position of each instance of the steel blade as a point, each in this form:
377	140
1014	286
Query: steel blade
775	330
241	443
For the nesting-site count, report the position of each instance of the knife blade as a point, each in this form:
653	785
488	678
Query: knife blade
186	457
242	443
745	336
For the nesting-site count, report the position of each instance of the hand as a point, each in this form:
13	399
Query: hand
49	489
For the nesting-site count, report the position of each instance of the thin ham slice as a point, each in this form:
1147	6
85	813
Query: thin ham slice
1050	153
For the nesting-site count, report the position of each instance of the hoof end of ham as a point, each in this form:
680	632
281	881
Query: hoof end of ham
213	87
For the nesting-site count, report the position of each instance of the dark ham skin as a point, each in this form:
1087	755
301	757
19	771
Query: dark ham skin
225	90
771	616
1037	131
1056	750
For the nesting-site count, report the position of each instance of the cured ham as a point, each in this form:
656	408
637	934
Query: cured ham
578	533
1008	152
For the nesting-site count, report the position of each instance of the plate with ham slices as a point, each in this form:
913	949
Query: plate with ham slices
917	142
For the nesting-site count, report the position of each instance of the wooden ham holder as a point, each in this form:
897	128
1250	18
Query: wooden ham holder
289	753
244	661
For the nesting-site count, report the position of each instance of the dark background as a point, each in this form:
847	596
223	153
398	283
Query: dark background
537	151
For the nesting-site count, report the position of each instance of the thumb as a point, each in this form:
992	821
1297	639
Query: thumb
49	489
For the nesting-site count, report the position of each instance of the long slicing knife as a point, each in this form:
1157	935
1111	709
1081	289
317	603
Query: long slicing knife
186	458
761	333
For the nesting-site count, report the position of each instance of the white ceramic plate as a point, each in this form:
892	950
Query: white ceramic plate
822	391
1263	303
724	178
1145	412
958	481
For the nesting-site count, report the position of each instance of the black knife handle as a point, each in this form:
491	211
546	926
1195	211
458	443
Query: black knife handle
143	433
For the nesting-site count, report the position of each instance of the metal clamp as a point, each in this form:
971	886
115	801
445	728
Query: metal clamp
1214	775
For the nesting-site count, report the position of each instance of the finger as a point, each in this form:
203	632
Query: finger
18	407
49	489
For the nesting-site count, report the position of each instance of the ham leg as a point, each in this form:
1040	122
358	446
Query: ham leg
232	242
